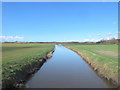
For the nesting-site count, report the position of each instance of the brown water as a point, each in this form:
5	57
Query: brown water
66	69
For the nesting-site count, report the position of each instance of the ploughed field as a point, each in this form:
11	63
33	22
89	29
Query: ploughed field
103	58
19	58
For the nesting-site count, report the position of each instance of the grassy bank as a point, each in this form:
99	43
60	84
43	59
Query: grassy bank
103	58
19	59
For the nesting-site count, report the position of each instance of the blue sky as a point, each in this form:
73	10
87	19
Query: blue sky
61	21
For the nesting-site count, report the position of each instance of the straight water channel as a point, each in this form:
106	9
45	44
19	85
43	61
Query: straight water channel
66	69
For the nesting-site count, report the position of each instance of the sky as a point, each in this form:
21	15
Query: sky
59	21
60	0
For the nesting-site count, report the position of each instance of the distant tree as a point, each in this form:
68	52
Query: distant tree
112	39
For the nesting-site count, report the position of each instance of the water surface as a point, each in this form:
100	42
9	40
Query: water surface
66	69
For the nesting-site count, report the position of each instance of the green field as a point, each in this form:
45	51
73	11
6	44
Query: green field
102	57
20	58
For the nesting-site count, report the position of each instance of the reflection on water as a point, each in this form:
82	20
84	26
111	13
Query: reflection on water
66	69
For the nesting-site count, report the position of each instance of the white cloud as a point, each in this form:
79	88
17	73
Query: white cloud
74	40
90	40
109	33
99	35
90	36
112	35
11	38
115	22
108	38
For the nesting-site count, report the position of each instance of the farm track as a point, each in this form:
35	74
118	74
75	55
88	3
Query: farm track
108	53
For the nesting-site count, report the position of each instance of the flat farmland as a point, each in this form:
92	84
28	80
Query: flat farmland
103	58
19	58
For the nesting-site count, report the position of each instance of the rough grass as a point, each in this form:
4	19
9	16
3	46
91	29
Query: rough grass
19	58
106	64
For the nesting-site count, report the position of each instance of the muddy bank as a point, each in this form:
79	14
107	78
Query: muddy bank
28	73
96	68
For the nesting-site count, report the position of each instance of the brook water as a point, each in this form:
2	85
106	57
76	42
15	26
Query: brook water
66	69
